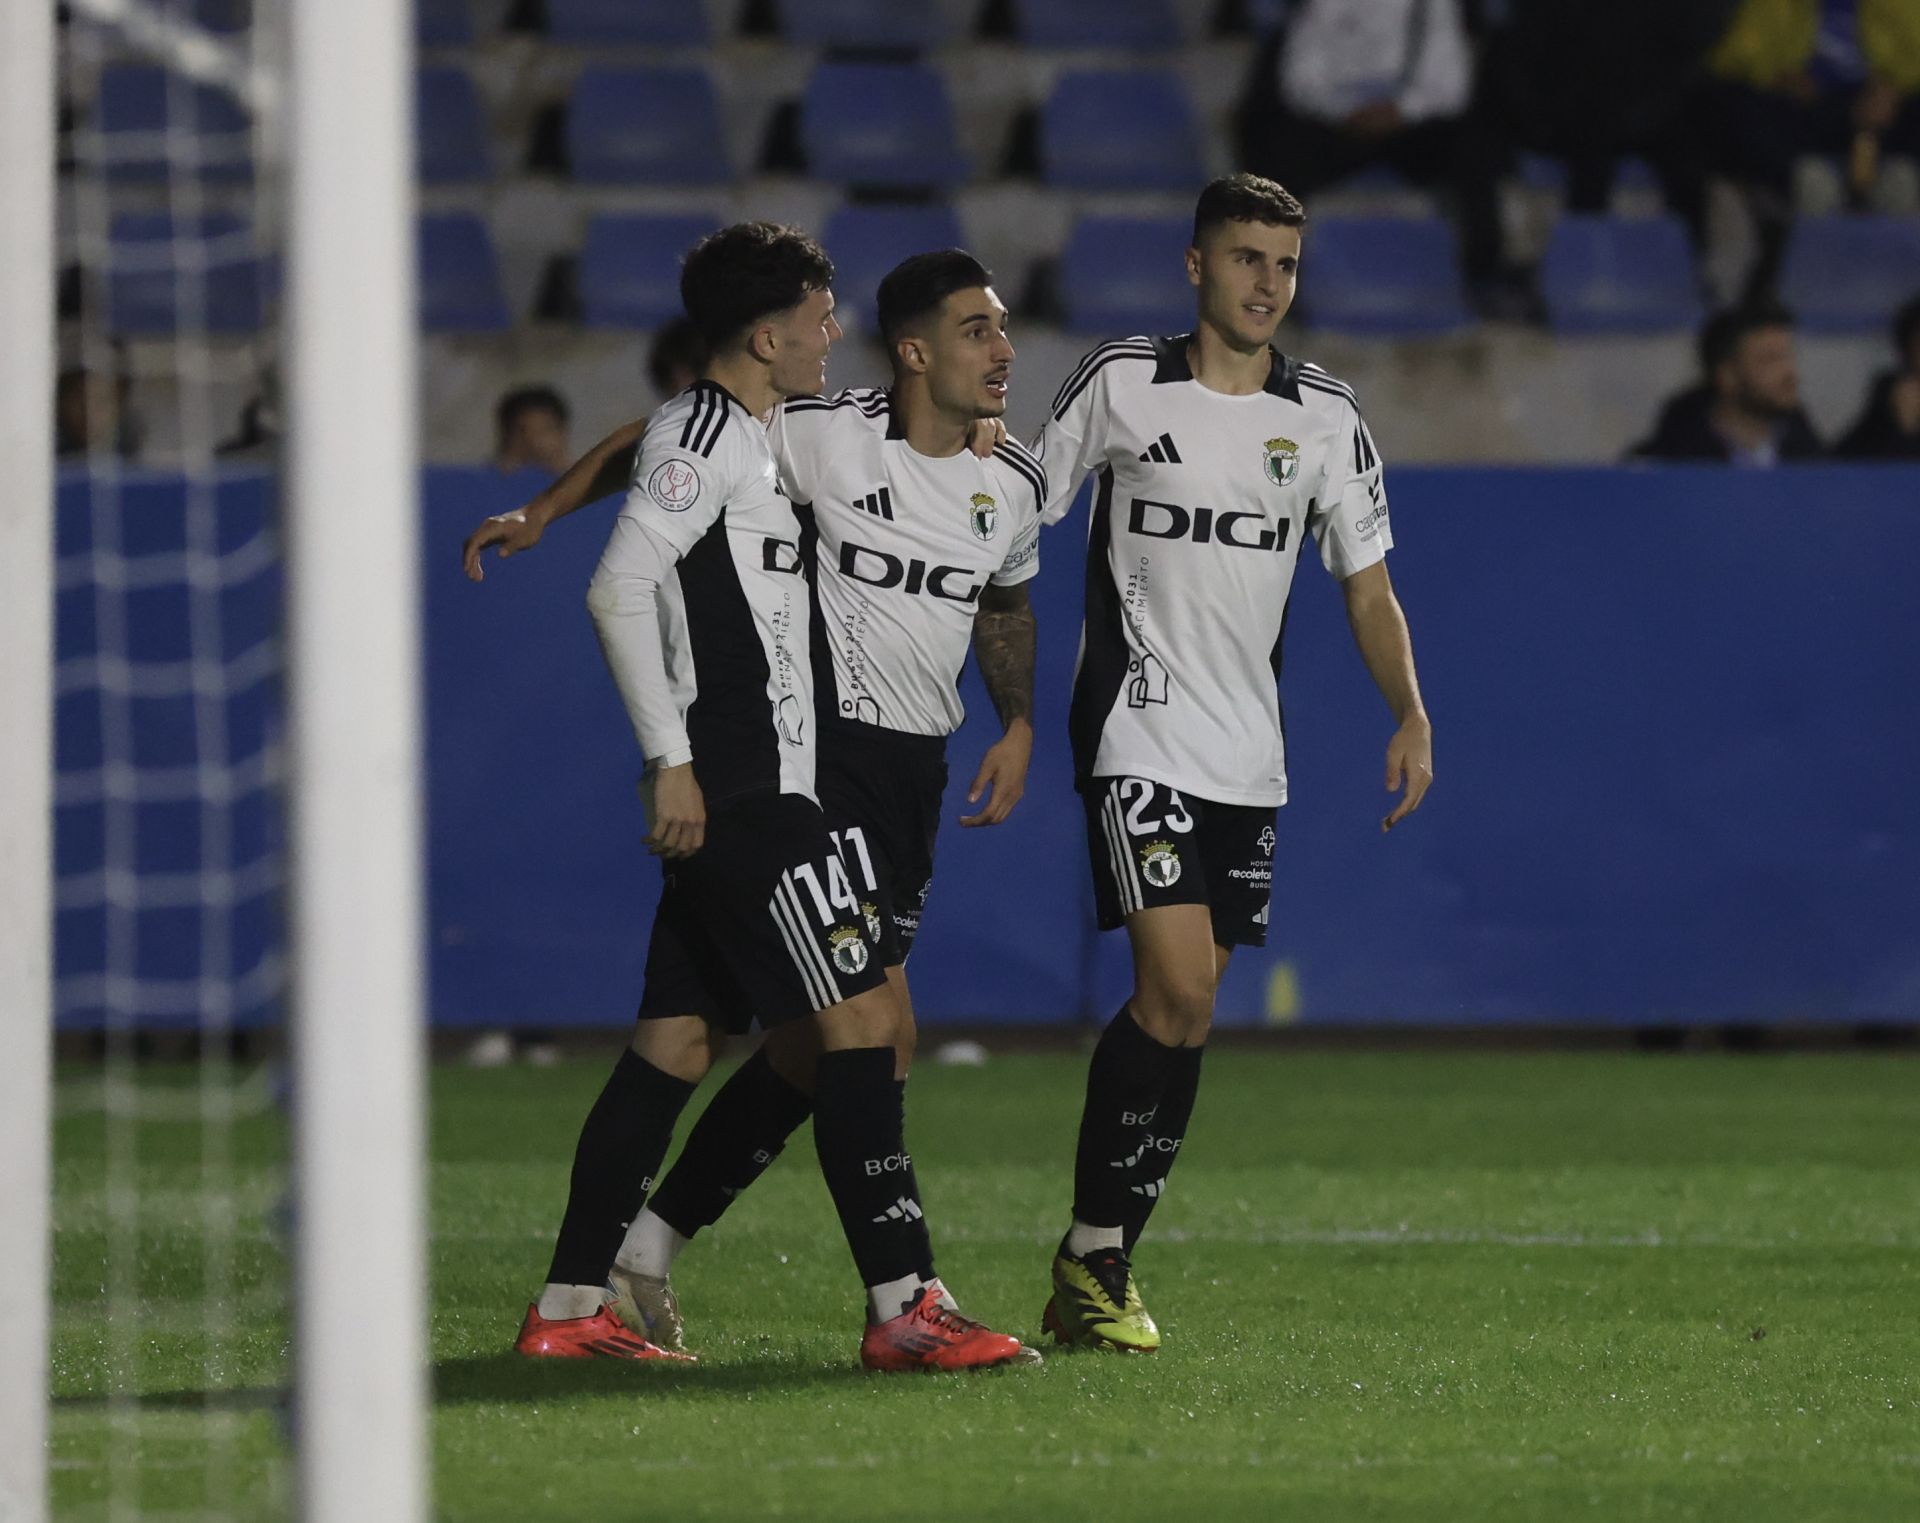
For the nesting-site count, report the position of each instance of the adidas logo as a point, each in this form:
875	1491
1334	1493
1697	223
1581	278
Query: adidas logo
902	1210
1162	450
1151	1189
879	504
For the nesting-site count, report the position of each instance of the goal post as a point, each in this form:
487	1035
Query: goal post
354	732
26	745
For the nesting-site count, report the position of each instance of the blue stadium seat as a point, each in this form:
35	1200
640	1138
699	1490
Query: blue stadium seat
636	23
630	268
1383	275
866	24
1122	275
442	23
459	276
1619	275
1848	274
1142	25
142	113
1120	130
450	129
868	241
166	273
659	126
884	125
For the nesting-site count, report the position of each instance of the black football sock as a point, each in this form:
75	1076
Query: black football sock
741	1132
1160	1141
925	1267
1126	1082
621	1144
858	1131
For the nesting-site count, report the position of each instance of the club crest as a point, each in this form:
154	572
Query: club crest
872	913
849	949
981	515
1160	864
1283	461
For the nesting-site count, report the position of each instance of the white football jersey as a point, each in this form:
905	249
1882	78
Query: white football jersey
1202	502
906	543
734	617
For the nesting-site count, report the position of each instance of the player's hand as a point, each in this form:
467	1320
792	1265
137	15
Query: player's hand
1409	756
676	811
985	435
1003	770
512	532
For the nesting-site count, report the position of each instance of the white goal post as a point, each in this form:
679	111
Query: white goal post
26	744
353	686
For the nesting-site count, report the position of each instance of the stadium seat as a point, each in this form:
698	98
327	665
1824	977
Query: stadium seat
1849	274
450	136
1122	275
459	276
1120	130
1141	25
167	273
144	116
880	125
442	23
1383	275
636	23
870	25
1619	275
630	268
867	241
655	126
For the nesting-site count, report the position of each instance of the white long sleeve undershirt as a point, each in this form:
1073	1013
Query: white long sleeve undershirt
624	599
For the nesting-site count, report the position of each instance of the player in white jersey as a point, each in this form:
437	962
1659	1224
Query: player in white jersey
705	617
1216	456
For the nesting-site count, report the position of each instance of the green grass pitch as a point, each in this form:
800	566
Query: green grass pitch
1393	1286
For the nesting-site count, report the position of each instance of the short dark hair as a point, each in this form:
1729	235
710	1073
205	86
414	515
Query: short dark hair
914	287
528	399
1246	198
677	346
743	273
1906	325
1724	332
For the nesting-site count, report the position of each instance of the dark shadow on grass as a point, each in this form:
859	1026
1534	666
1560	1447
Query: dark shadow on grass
235	1399
509	1377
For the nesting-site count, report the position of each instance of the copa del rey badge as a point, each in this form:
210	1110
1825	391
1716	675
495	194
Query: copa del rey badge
981	514
1283	461
675	485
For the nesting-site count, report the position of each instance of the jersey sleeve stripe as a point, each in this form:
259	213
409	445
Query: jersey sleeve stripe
716	426
702	400
1123	349
1031	473
1321	381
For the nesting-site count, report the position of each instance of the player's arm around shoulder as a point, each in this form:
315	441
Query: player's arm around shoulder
1380	631
602	471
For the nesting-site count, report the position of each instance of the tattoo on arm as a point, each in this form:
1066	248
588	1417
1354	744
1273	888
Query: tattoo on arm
1003	644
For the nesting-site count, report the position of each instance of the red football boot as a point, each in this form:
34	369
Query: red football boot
601	1336
927	1336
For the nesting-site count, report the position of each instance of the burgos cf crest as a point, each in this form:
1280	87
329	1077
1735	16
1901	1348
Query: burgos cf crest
1283	461
981	515
1160	864
849	949
871	913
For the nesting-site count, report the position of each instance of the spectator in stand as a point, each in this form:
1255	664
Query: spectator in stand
1799	77
532	431
1889	426
92	415
676	358
1345	85
1746	410
1590	82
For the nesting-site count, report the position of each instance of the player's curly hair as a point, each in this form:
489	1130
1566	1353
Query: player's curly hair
1246	198
916	286
741	274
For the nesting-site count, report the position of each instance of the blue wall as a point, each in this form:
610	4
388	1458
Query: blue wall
1676	759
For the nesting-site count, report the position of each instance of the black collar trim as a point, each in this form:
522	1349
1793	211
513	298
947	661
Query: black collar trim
1170	356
